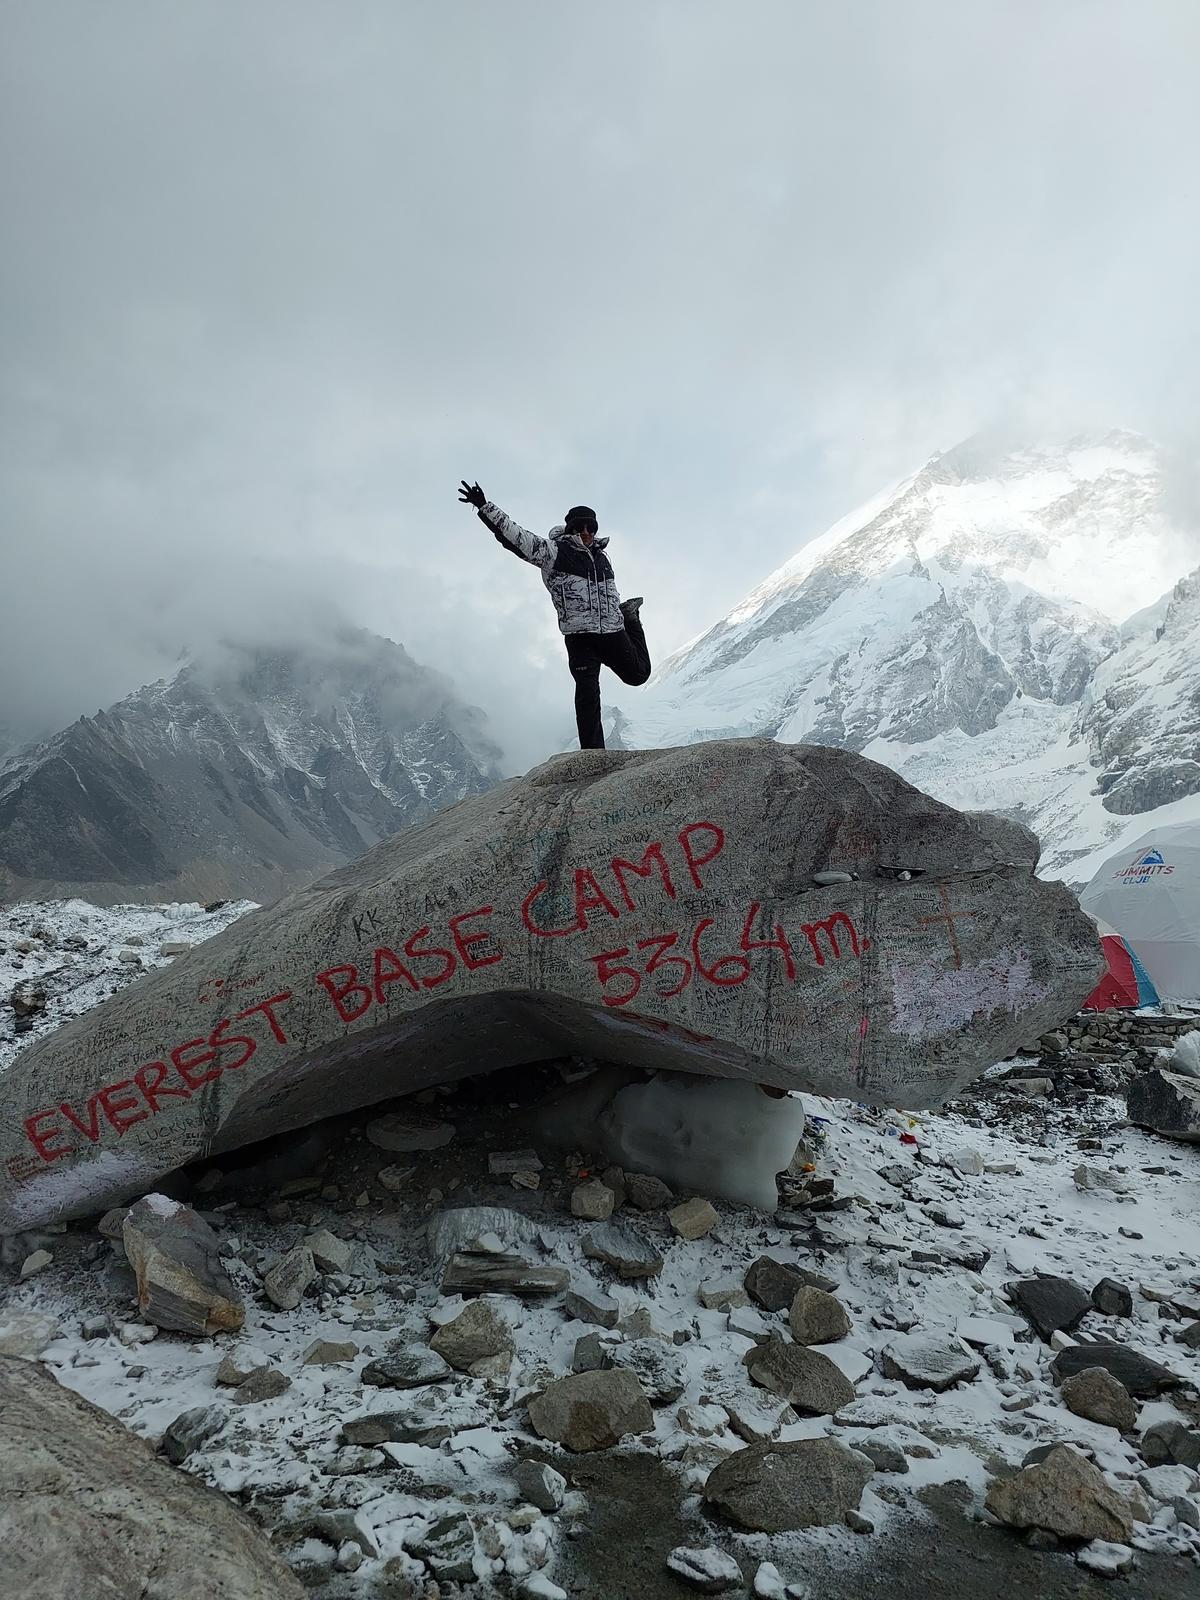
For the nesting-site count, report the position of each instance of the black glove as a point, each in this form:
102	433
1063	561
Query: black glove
472	495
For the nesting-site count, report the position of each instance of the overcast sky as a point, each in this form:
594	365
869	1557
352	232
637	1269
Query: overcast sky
277	275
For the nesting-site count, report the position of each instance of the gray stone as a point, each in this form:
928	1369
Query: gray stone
1052	1305
1065	1495
340	1044
809	1381
592	1353
694	1218
87	1509
25	1334
329	1252
817	1318
328	1352
646	1193
587	1302
508	1163
628	1252
1140	1375
477	1333
773	1284
236	1365
34	1263
264	1383
1171	1443
591	1410
408	1129
1167	1103
448	1549
286	1282
190	1430
883	1453
723	1294
393	1427
922	1362
710	1571
1113	1299
593	1201
1164	1484
181	1280
776	1488
540	1485
1096	1395
407	1367
660	1370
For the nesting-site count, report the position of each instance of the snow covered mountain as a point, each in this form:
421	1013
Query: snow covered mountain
966	629
243	777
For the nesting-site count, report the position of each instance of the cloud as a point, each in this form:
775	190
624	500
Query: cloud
280	274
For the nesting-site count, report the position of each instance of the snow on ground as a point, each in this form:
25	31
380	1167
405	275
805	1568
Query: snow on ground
912	1244
80	954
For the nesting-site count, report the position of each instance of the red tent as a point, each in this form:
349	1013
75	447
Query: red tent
1125	982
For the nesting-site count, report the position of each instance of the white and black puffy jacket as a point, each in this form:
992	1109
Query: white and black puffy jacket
578	576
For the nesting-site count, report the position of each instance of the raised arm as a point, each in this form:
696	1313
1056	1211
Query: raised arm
508	533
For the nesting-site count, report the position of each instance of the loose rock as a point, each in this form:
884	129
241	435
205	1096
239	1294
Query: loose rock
477	1334
779	1487
409	1129
591	1410
710	1570
407	1367
646	1193
629	1253
1140	1375
808	1380
181	1280
540	1485
693	1219
1095	1394
817	1318
773	1284
587	1302
920	1362
288	1279
1052	1305
1064	1494
189	1431
1113	1299
593	1201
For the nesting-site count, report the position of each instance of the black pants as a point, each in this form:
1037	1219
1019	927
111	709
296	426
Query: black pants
624	653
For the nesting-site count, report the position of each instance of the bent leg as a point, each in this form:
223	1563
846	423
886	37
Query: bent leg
584	659
627	653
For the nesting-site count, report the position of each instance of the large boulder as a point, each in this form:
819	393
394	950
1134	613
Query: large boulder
1167	1103
655	907
86	1508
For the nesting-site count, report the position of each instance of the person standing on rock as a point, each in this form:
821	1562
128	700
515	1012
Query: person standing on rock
599	628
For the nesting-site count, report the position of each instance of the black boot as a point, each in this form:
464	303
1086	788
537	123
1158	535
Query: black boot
631	608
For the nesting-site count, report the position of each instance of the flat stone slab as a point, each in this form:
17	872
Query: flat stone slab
653	907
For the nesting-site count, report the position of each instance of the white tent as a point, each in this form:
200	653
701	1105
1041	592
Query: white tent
1150	893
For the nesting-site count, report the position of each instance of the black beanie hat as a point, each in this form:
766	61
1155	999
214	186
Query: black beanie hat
578	514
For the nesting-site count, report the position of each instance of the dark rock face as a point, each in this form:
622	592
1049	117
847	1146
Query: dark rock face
1053	1305
1140	1375
1168	1103
243	781
460	946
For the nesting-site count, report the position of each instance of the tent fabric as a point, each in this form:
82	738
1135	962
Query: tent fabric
1125	982
1149	894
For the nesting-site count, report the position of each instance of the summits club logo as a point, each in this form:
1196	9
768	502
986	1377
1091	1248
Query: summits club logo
1149	864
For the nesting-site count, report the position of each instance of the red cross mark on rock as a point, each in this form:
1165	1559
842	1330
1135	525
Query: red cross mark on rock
949	917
